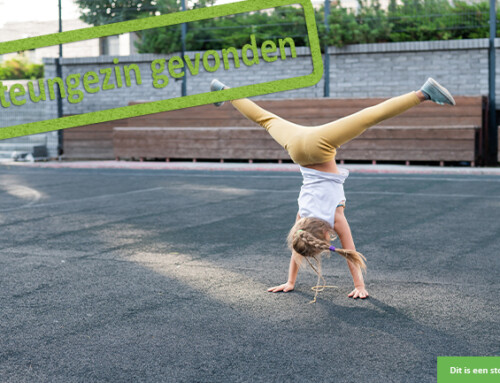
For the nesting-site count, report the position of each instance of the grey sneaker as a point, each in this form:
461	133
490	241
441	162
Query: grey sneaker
437	93
216	85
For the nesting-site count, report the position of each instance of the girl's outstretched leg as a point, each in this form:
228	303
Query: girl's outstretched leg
280	129
339	132
246	107
254	112
317	145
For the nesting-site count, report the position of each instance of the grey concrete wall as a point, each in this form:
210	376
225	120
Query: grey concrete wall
383	70
106	99
356	71
30	112
365	70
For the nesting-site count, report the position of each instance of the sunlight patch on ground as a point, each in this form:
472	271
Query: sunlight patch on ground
228	287
27	196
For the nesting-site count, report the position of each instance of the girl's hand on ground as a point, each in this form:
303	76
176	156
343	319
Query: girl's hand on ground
286	287
358	292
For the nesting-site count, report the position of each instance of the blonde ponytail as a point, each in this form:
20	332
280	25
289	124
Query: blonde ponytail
352	255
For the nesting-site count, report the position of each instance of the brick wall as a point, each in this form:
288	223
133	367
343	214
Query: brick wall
356	71
258	73
382	70
16	115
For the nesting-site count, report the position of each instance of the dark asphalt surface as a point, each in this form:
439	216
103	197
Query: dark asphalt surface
161	276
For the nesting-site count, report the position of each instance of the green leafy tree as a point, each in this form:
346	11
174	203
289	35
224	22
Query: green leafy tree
373	24
405	20
235	30
420	20
215	33
344	28
163	39
100	12
20	68
471	21
409	20
168	39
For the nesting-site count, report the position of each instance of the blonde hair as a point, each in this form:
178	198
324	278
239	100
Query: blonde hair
308	239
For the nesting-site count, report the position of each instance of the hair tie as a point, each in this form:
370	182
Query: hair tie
297	232
332	248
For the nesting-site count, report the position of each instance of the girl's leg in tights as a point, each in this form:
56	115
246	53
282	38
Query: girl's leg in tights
280	129
345	129
318	144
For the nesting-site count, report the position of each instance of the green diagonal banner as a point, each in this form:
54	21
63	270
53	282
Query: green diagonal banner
174	103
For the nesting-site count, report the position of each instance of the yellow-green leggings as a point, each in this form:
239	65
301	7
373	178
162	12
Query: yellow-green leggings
309	145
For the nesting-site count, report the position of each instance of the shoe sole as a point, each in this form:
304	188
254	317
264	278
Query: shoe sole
213	89
442	90
212	85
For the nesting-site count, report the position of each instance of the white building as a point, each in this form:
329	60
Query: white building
30	18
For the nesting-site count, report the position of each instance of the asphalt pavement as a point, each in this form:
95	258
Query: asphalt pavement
143	275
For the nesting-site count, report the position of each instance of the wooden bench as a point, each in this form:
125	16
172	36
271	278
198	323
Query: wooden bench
413	143
93	142
425	133
221	143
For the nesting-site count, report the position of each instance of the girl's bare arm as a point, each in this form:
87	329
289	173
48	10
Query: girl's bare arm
293	270
292	277
344	232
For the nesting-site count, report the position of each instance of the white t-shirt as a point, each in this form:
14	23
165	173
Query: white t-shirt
321	193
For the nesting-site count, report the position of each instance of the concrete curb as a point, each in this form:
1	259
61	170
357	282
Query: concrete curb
263	167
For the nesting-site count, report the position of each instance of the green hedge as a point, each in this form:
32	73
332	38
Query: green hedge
409	20
20	69
403	20
406	20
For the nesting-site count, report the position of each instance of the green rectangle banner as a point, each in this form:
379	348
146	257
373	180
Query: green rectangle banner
174	103
468	369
